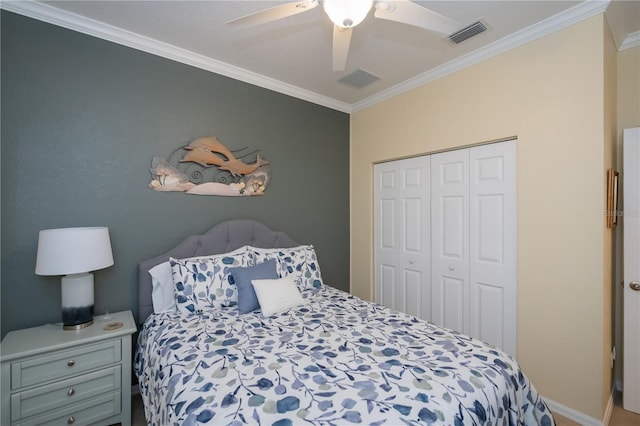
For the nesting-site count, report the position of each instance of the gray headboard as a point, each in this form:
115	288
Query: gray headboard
222	238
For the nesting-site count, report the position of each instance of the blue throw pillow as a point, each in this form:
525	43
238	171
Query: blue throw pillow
242	276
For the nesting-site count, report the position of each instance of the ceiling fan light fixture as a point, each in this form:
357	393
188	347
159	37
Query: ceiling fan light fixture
347	13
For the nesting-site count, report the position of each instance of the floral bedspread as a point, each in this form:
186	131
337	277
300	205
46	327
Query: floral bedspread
335	360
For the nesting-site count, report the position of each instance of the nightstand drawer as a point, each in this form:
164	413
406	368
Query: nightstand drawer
44	398
83	413
64	363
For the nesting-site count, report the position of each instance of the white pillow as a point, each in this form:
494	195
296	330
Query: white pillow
162	288
162	293
277	295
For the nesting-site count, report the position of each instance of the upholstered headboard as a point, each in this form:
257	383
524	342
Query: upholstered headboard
222	238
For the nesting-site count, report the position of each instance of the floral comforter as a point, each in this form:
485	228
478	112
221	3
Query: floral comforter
335	360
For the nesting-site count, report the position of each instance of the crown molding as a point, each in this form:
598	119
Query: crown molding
632	40
550	25
44	12
72	21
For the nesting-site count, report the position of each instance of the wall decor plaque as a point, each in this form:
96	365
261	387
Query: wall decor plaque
205	166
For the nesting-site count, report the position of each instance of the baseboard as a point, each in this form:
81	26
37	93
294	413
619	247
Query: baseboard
609	410
582	418
572	414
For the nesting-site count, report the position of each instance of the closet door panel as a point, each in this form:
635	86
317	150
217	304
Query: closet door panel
413	209
451	215
450	239
387	278
413	282
401	199
387	228
452	303
490	233
492	187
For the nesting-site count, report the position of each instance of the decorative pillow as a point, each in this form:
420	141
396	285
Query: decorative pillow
205	284
242	276
277	295
162	294
300	262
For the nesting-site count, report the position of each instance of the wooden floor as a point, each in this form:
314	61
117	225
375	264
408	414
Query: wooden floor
619	417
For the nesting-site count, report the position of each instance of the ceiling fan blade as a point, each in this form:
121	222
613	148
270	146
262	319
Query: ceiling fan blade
341	42
273	14
408	12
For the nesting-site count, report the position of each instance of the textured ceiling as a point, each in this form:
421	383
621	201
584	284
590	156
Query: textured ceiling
293	55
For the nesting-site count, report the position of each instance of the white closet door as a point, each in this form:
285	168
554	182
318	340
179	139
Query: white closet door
445	240
401	217
492	284
631	248
450	239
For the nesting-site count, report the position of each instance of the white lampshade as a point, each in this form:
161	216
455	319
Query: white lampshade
75	253
73	250
347	13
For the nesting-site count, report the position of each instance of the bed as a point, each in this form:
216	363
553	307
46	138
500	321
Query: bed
323	357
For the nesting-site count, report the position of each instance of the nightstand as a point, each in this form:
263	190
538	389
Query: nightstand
53	376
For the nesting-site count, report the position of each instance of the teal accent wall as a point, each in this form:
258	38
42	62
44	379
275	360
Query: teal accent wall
82	119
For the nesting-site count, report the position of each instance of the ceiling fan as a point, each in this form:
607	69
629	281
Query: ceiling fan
346	14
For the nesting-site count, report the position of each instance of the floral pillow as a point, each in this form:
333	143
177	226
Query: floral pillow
205	284
163	294
300	262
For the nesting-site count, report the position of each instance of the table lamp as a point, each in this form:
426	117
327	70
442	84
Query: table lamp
74	253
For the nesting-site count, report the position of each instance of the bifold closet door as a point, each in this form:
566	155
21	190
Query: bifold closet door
450	240
445	240
473	242
401	251
492	252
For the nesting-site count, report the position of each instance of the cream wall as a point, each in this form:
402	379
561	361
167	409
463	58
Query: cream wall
609	138
550	94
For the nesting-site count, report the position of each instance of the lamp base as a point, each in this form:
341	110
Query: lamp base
77	301
78	326
77	318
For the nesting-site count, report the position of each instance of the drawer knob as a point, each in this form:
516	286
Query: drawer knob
71	420
71	392
71	363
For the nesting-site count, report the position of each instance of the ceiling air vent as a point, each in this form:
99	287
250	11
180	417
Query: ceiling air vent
468	32
359	79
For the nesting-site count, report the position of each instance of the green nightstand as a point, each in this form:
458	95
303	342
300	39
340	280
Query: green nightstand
53	376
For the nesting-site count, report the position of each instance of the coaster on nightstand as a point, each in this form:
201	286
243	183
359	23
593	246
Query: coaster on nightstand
113	326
